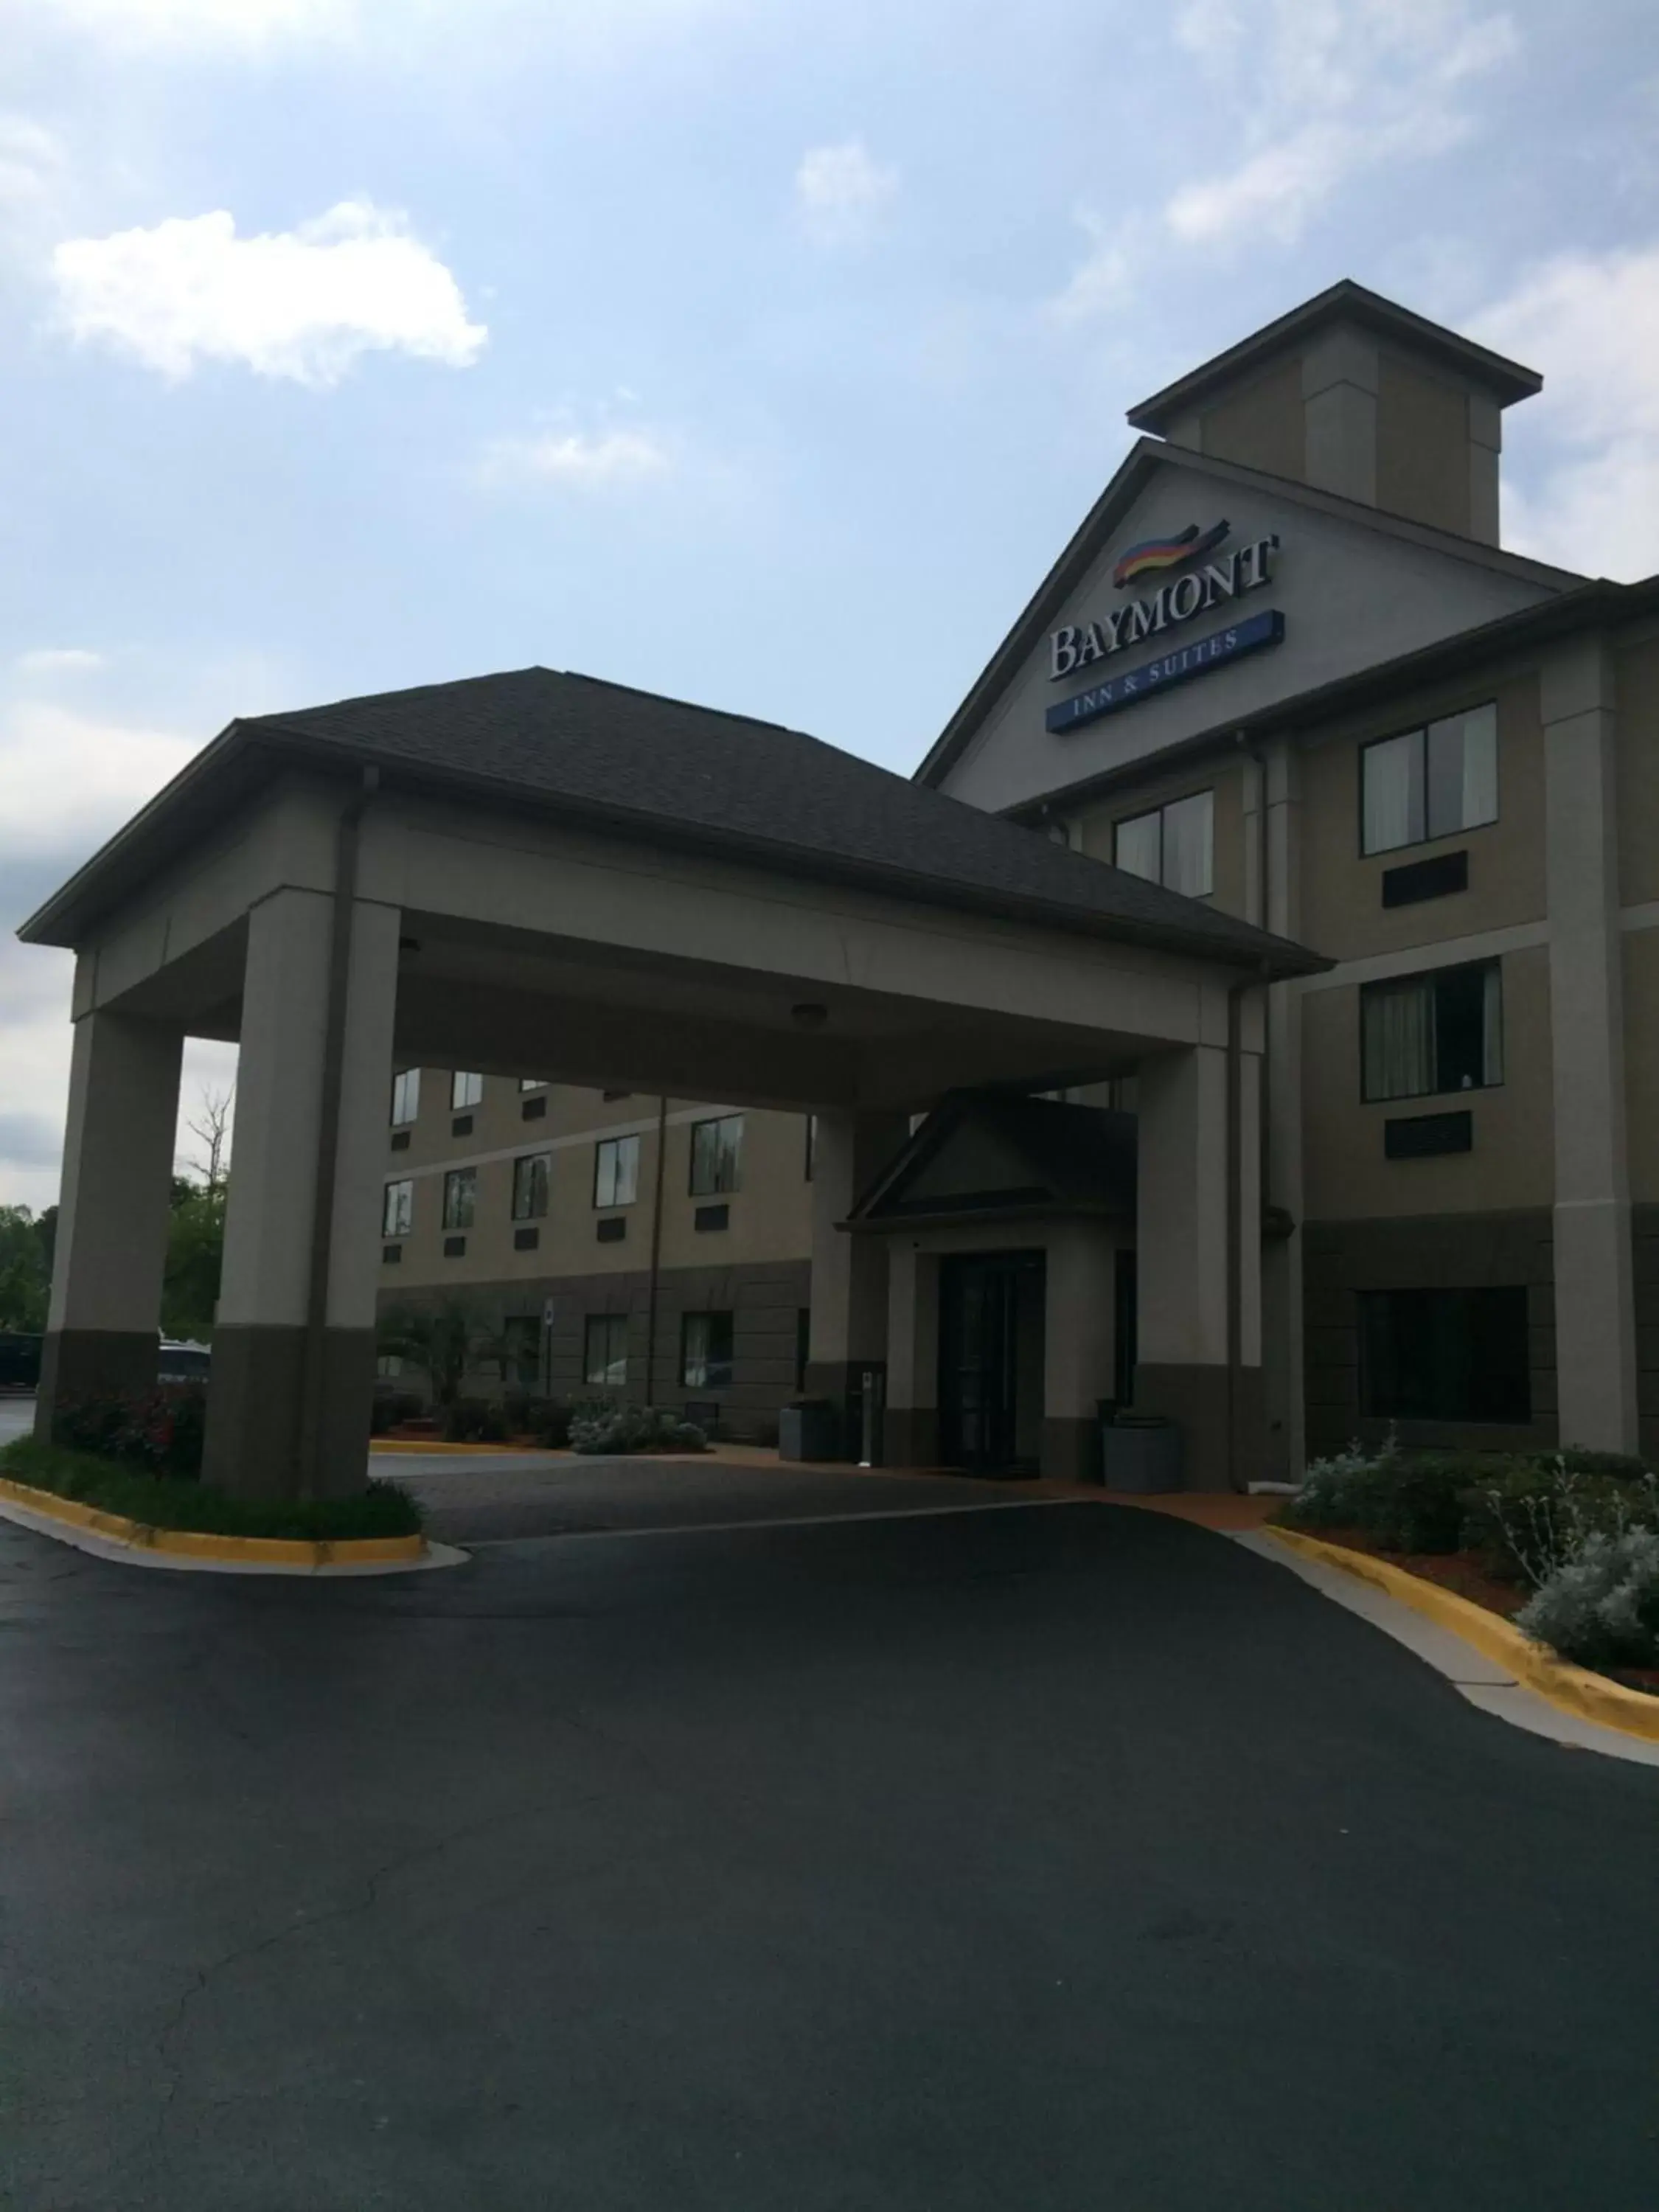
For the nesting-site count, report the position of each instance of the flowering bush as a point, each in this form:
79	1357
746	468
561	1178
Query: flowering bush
1534	1518
1601	1607
161	1433
602	1427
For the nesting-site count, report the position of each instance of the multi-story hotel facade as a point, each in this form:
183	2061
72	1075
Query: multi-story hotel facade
1286	669
1330	1102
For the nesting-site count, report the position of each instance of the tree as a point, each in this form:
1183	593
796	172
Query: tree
25	1268
211	1130
196	1246
442	1341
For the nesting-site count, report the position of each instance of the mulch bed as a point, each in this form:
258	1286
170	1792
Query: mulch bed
1462	1572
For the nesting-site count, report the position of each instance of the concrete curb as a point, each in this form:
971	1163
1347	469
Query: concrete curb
111	1535
1570	1689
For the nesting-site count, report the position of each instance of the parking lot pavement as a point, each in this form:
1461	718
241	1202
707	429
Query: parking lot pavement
485	1500
1058	1857
16	1417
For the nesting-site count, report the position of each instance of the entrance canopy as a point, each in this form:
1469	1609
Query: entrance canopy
538	874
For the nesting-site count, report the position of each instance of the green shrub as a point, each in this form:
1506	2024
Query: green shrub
1404	1501
162	1502
1602	1607
475	1421
602	1427
1532	1516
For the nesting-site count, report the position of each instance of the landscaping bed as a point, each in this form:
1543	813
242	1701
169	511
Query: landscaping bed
1566	1546
175	1501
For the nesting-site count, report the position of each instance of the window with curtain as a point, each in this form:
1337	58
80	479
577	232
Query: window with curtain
1424	1034
716	1156
530	1176
705	1351
1172	845
1428	783
605	1350
615	1170
465	1090
461	1197
397	1209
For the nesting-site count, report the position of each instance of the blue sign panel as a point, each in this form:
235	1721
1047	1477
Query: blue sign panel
1153	676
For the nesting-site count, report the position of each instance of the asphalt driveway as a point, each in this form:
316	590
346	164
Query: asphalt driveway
1062	1857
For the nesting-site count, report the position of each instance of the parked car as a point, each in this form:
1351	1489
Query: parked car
19	1360
182	1360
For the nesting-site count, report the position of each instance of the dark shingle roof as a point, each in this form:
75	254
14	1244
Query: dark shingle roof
1074	1157
632	761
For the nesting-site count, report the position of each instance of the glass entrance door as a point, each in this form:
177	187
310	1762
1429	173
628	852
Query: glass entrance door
991	1352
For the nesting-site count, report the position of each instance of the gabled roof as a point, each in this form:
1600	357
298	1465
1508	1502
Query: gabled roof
603	757
1059	1157
1505	381
1098	528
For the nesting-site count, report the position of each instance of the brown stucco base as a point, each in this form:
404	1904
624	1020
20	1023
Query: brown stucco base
83	1363
1645	1241
1447	1251
253	1417
765	1300
1195	1399
910	1436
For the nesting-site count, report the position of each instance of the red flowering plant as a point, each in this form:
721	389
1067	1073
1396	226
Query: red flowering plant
160	1432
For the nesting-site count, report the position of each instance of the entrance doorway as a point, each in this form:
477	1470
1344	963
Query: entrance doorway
991	1354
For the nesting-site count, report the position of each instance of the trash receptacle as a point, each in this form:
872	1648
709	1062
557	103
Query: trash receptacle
1141	1453
809	1429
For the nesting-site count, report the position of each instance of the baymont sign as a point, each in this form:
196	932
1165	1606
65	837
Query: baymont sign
1247	569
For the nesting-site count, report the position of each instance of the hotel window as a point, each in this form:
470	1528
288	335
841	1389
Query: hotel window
604	1350
716	1155
705	1351
1173	845
1428	783
532	1083
397	1209
530	1182
1444	1355
405	1097
464	1090
615	1171
461	1197
1424	1034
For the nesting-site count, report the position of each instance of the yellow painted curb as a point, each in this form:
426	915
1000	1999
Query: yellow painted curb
436	1444
199	1544
1570	1689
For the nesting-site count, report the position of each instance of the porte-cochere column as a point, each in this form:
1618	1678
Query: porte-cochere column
294	1375
102	1333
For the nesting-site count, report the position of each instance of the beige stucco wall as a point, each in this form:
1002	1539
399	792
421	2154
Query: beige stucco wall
1345	1175
1422	446
1342	909
1262	424
1635	691
769	1217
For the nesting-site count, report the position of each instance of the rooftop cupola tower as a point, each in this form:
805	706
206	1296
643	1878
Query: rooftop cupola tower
1360	396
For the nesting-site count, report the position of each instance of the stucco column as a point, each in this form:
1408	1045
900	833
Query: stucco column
1282	1305
1339	393
848	1331
1595	1303
276	1382
1182	1258
113	1205
1079	1347
911	1437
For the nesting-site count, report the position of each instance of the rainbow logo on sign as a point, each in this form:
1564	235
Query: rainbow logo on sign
1167	552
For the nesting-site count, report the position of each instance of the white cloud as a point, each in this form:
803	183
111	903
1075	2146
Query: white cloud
843	192
304	304
1342	87
70	779
241	22
585	460
49	661
31	162
1103	281
1582	475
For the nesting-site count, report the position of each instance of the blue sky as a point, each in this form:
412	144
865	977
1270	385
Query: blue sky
761	354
